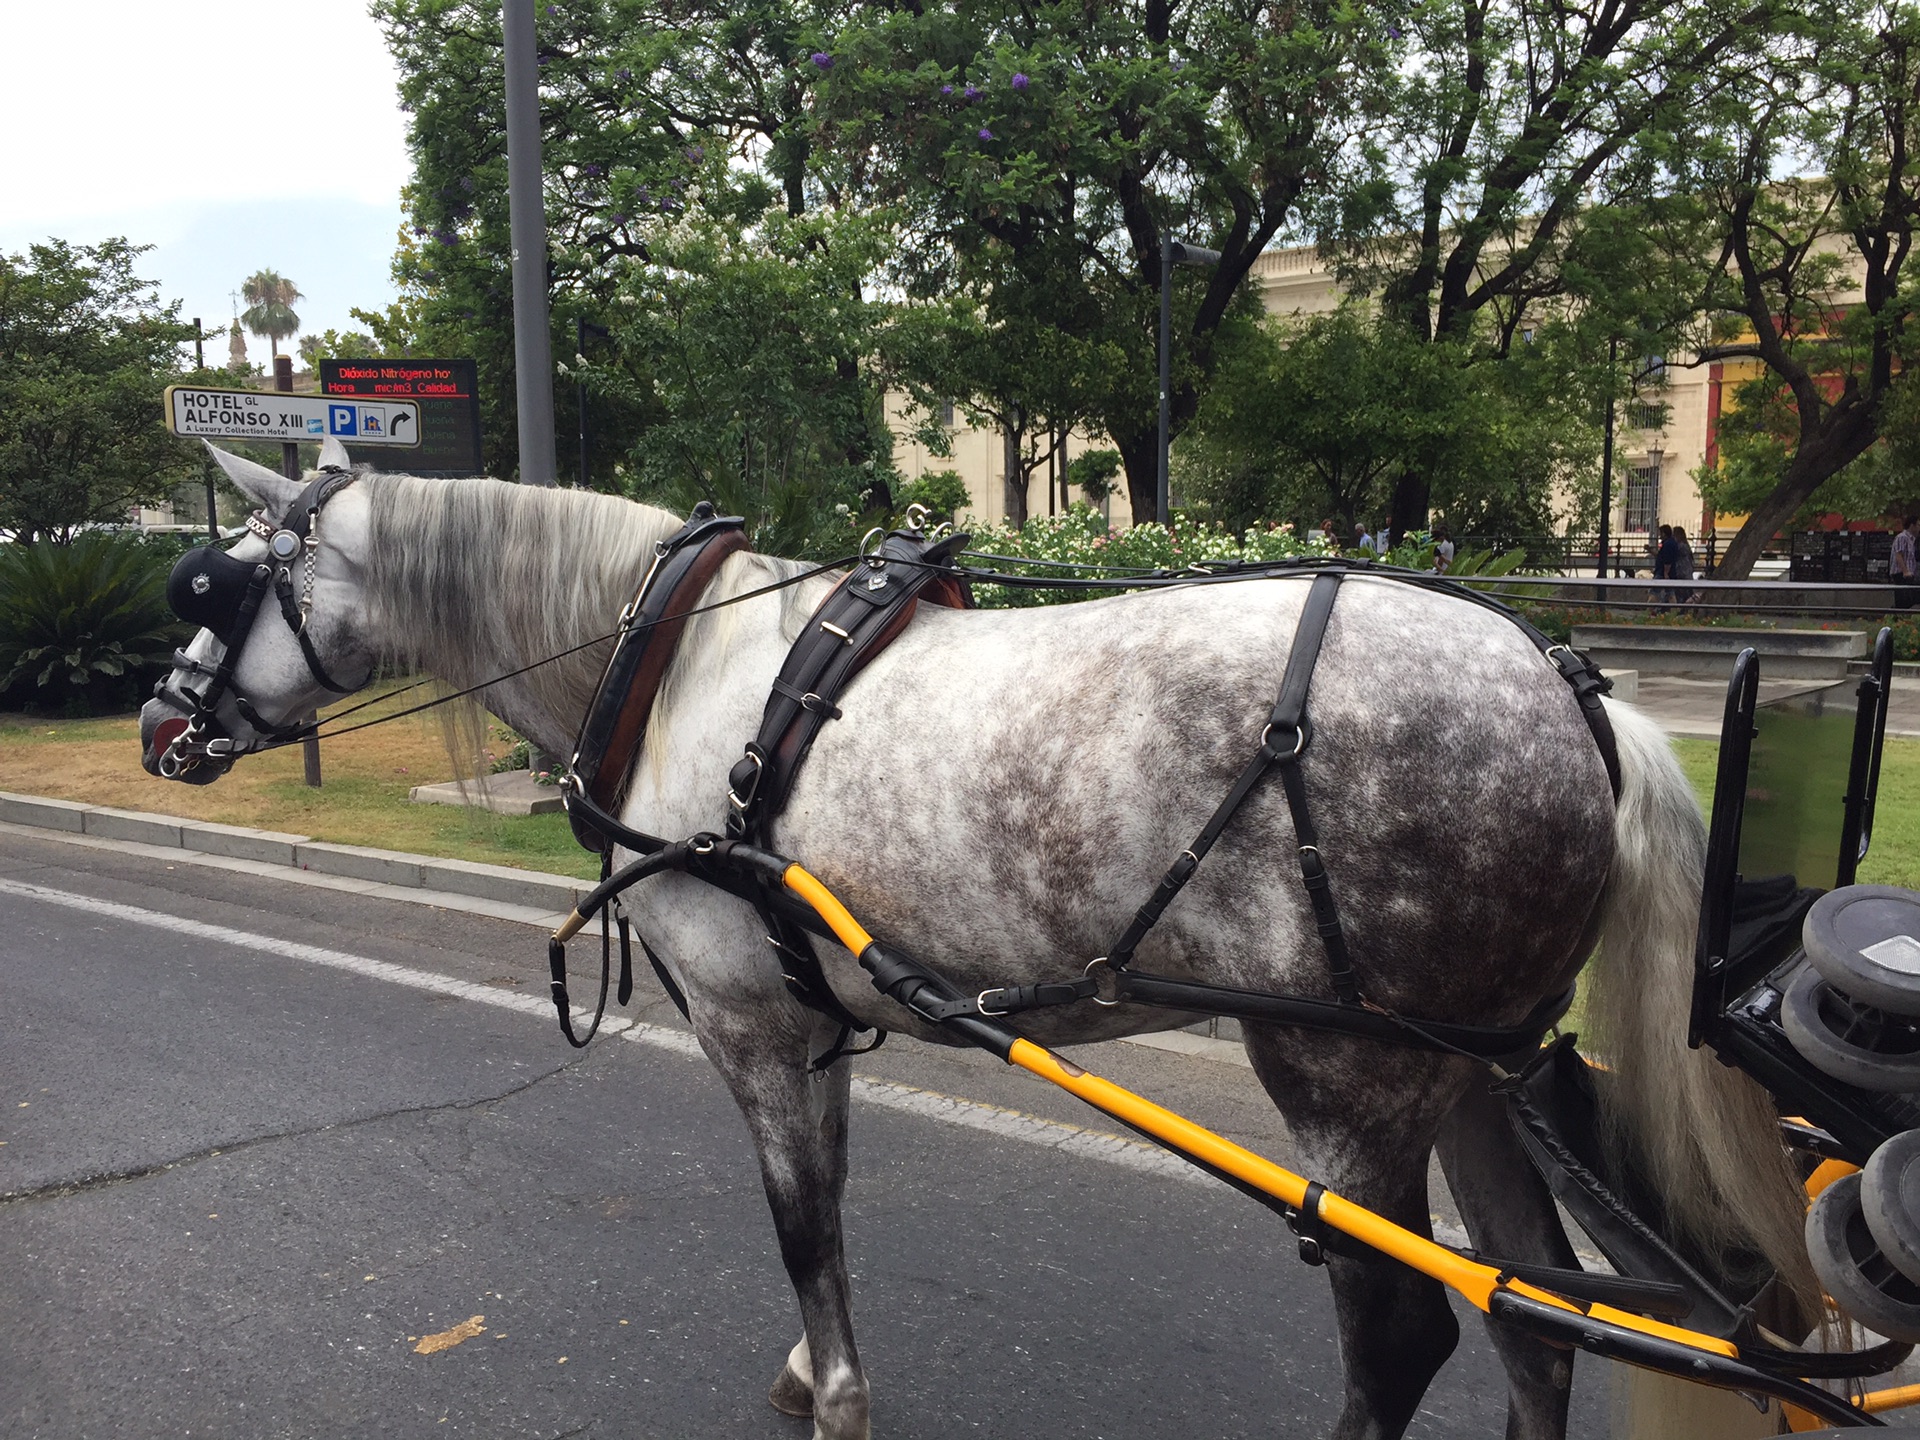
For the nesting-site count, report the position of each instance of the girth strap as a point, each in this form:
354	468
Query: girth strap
1282	743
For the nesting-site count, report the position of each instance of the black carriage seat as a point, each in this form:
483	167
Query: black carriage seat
1811	780
1793	774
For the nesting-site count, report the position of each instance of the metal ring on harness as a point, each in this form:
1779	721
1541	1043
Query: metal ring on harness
871	556
738	801
1098	999
1299	741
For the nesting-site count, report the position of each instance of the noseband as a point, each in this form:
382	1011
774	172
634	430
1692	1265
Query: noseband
222	595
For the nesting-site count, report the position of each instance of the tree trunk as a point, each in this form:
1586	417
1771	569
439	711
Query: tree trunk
1140	457
1014	477
1813	464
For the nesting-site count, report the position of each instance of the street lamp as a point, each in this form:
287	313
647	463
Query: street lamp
1172	252
1606	466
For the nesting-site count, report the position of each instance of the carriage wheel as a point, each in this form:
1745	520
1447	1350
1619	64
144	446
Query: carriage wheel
1852	1269
1854	1043
1862	938
1890	1199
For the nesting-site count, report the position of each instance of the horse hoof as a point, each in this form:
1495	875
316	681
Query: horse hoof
791	1395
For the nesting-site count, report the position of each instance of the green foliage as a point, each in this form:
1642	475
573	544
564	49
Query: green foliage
338	345
1328	416
86	349
84	626
1092	474
742	347
942	492
1082	537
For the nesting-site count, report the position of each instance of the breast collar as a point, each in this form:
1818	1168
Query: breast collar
211	588
615	724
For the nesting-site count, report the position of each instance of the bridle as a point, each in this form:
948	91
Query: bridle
210	588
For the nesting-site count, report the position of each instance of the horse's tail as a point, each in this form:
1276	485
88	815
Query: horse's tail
1707	1136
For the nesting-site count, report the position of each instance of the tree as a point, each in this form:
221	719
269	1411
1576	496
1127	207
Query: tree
337	345
1520	143
269	311
733	346
1037	153
86	349
1326	417
1790	253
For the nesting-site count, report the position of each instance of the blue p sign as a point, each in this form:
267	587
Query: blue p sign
343	420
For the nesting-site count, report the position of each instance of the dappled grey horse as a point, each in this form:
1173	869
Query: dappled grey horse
1004	789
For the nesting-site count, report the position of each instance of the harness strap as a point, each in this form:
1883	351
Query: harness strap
1282	743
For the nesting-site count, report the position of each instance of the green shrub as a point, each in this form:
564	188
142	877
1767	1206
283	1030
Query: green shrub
942	492
84	628
1081	537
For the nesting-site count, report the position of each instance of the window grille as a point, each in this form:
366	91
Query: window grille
1643	500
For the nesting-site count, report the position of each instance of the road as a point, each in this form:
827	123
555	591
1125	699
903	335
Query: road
242	1177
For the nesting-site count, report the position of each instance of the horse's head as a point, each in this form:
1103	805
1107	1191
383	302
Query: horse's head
282	622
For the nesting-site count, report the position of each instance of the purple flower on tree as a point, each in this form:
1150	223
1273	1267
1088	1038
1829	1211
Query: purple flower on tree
553	9
946	89
985	134
1019	82
696	153
624	73
1393	29
972	94
822	60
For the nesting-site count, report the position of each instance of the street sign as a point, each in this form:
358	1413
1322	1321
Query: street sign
254	415
448	397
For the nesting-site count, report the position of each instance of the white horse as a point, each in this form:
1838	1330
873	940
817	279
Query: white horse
1005	788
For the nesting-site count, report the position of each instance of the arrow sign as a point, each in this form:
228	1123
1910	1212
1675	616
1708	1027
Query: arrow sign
254	415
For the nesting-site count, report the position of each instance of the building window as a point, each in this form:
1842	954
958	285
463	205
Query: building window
946	413
1646	415
1643	499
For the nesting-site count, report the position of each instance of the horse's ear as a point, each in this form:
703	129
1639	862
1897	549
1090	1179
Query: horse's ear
333	453
269	489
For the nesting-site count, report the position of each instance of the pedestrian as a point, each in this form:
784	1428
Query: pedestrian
1683	565
1362	540
1325	535
1664	559
1902	564
1383	538
1442	550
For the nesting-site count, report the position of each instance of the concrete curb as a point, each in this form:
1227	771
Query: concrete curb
532	888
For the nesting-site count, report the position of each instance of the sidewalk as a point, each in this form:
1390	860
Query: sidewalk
1694	708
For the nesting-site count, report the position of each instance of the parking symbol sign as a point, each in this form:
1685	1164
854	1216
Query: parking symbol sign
343	419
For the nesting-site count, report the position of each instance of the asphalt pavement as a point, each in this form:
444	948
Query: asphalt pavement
261	1140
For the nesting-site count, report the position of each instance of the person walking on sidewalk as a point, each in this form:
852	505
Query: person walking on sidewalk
1902	564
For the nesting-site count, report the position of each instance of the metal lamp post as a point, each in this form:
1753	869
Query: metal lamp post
1172	252
1606	466
532	344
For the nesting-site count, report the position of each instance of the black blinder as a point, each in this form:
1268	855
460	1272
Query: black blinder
207	588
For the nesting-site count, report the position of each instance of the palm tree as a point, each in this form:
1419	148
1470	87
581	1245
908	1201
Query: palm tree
269	311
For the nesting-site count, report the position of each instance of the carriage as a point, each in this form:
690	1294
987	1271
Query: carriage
1362	1013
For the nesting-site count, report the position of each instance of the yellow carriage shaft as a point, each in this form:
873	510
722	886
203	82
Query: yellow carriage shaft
1476	1281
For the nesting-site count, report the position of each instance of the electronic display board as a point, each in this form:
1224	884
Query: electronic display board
449	402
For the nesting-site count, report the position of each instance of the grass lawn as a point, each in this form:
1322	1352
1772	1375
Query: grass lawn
362	802
1894	855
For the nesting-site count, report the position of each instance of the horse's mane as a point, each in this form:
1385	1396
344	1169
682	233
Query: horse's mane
472	578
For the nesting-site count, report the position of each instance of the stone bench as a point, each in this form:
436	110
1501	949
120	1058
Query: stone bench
1707	651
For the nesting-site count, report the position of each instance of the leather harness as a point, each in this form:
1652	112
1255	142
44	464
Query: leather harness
867	610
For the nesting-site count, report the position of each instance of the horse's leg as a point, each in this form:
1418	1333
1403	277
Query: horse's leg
1509	1213
1364	1124
799	1126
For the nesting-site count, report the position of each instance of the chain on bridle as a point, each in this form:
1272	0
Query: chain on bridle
212	589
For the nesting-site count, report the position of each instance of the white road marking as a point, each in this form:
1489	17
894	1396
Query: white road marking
887	1094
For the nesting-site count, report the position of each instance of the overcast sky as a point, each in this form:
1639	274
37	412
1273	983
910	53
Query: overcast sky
230	138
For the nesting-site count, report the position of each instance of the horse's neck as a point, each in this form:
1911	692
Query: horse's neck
473	579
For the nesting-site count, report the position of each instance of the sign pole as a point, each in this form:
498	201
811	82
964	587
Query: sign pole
290	467
206	465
